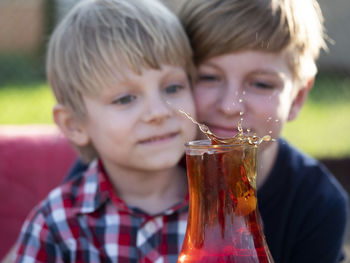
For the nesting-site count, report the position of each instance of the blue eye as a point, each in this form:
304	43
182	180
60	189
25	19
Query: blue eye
172	89
125	100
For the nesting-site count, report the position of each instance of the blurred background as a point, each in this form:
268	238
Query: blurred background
321	130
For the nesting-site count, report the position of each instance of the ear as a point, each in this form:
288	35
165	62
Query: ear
71	127
300	99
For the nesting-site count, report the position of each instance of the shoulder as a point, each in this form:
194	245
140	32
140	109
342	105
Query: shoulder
303	185
291	158
306	169
66	201
301	199
76	171
52	225
313	183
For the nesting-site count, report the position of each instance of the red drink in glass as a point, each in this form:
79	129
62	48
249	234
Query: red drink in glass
224	222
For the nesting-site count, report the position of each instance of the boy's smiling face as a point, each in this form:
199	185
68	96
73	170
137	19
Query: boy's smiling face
253	86
134	123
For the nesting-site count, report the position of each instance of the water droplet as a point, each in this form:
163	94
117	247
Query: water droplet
239	138
277	120
241	113
239	127
240	100
269	119
243	92
266	138
270	132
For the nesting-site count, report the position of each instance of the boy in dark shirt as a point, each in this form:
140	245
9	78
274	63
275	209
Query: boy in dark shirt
256	63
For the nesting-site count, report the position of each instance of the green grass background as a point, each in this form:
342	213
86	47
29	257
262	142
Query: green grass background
321	130
26	104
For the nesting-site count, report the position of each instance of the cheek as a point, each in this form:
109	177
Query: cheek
282	107
187	104
275	117
204	100
262	115
270	108
190	131
262	108
191	109
113	125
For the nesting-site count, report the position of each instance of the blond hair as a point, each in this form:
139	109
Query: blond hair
218	27
99	37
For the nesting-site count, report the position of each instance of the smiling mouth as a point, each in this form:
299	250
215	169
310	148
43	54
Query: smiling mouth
160	138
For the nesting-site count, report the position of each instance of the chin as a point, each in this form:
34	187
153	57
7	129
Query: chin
162	161
158	167
264	146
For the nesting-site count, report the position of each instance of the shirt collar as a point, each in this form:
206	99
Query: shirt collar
98	190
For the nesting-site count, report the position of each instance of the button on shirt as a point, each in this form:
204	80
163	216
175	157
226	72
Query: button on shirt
85	221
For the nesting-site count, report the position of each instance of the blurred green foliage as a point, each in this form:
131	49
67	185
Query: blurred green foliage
26	104
331	88
321	129
21	69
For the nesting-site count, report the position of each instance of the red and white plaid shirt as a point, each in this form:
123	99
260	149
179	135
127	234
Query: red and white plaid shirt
85	221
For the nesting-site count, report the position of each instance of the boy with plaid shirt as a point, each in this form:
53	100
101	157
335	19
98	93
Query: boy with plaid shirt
120	70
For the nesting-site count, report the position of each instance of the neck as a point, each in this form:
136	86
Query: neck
266	160
151	191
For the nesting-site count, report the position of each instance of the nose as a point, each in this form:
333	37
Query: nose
156	109
231	101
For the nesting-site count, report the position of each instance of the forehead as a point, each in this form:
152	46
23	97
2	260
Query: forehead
251	61
124	76
128	75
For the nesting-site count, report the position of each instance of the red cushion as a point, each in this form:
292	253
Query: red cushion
33	160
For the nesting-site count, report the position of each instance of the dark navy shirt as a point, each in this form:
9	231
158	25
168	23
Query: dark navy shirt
303	208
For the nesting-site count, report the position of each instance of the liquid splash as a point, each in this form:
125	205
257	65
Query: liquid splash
239	138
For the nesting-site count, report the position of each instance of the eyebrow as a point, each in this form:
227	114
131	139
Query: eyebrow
269	72
254	71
